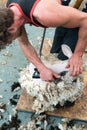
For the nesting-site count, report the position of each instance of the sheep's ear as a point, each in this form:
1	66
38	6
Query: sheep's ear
66	50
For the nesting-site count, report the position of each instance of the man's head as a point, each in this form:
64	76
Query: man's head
6	20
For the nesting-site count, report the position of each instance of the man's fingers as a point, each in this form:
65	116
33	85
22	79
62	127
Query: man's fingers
75	70
56	75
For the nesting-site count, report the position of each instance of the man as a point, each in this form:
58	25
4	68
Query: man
43	13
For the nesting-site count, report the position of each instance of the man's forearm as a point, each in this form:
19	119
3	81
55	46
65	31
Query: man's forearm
82	40
32	56
29	51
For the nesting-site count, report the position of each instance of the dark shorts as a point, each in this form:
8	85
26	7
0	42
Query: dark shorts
64	36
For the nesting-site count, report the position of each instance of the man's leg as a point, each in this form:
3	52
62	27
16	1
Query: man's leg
58	39
70	39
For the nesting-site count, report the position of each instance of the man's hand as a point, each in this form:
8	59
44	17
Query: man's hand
48	75
75	64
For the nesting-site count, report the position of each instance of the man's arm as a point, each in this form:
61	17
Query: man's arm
75	62
29	51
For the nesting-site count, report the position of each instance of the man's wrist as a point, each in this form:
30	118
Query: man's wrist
79	53
40	67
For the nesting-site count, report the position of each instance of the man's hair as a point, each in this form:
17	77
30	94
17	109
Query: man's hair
6	20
